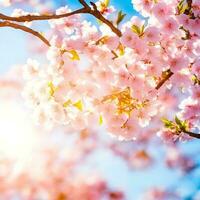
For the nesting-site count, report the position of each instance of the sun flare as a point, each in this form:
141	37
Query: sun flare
18	138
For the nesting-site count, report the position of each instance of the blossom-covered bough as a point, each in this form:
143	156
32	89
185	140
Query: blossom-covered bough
128	77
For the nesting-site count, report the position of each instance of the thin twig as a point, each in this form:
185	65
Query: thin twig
166	78
85	10
29	18
26	29
99	16
191	134
85	5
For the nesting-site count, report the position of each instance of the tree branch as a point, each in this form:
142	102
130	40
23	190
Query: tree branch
191	134
26	29
29	18
85	10
166	78
99	16
85	5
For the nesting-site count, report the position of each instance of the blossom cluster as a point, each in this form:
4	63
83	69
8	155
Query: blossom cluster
94	77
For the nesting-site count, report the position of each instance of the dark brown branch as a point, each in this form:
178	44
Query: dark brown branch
85	5
29	18
24	28
191	134
166	78
99	16
84	10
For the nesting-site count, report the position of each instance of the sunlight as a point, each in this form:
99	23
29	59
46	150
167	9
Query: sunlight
18	138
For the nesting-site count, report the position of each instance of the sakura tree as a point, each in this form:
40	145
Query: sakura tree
136	79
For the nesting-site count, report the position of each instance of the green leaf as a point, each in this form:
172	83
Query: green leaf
138	30
195	80
135	29
51	88
78	105
182	7
180	4
73	54
165	120
121	49
185	125
167	123
67	103
120	17
178	121
106	2
142	29
100	120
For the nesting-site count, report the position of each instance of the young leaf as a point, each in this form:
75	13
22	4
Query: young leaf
135	29
165	120
138	30
67	103
182	7
120	17
195	80
106	2
167	123
185	125
51	88
142	29
100	120
74	54
78	105
102	40
178	121
121	49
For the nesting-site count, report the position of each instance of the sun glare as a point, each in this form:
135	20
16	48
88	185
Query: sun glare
18	138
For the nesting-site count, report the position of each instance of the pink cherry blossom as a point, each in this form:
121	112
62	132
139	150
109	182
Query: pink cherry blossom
161	10
129	39
152	34
170	25
177	63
